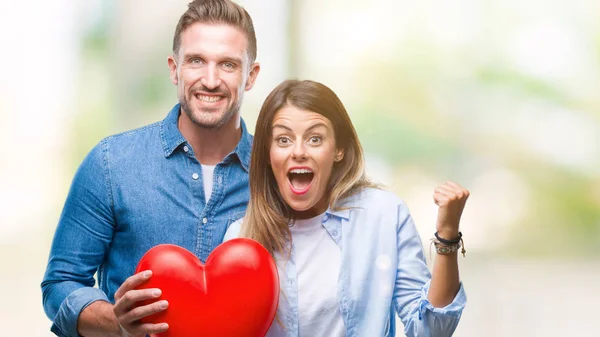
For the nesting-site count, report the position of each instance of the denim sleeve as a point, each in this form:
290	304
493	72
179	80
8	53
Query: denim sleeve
81	241
419	317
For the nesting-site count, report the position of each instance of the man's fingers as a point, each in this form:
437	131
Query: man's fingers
150	328
129	314
142	311
143	329
127	301
132	282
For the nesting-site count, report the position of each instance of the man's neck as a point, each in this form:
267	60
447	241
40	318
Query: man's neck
211	145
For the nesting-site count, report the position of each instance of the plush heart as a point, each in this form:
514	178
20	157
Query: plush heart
235	294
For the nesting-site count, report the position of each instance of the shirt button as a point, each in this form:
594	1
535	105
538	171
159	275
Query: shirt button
195	176
219	180
205	220
334	233
186	148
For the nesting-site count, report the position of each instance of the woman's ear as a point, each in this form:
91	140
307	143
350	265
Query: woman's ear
339	155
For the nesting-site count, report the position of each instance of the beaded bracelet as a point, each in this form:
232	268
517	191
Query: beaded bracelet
443	248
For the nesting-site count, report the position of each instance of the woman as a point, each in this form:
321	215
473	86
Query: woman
349	255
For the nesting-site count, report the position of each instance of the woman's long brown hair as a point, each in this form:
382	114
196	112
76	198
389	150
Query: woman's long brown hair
268	216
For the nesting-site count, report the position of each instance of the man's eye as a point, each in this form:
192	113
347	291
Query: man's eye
229	65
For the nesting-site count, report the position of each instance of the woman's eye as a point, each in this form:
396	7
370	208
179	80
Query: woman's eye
283	140
315	140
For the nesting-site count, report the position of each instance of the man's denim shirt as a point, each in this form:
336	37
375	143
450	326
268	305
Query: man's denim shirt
133	191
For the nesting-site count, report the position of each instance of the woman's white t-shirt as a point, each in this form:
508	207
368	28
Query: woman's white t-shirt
318	260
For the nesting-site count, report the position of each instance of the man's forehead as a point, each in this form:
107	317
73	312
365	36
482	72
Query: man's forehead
218	37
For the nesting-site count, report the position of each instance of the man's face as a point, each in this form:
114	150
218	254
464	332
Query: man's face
212	71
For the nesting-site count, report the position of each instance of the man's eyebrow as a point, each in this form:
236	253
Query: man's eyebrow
190	55
233	59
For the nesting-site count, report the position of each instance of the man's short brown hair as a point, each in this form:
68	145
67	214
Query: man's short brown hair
217	12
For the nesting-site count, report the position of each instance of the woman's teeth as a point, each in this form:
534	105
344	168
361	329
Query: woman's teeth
300	171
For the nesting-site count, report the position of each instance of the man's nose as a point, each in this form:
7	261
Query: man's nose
211	78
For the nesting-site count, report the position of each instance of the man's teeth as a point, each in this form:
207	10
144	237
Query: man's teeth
209	99
301	171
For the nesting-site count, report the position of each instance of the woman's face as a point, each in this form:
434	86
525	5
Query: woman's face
302	155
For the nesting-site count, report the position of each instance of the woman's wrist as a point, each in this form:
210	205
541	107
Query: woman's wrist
448	234
449	244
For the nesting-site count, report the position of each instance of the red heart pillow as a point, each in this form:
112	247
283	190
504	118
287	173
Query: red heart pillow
235	294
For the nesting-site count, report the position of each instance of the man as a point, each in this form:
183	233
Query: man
181	181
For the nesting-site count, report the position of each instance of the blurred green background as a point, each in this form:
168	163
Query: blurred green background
500	96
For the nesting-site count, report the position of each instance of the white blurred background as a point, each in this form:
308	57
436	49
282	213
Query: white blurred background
501	96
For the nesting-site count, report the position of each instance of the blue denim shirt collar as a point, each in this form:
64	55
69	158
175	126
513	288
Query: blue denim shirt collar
172	138
169	132
244	147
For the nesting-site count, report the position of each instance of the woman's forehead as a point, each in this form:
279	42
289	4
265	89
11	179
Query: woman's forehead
293	115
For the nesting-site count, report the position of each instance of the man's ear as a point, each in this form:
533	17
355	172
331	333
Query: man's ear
254	70
173	69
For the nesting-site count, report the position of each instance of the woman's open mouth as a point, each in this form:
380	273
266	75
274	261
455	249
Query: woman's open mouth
300	179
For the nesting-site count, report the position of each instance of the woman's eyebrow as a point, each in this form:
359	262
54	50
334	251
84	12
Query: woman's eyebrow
282	126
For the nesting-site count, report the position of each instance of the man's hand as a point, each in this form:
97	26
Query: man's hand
451	199
129	313
98	320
